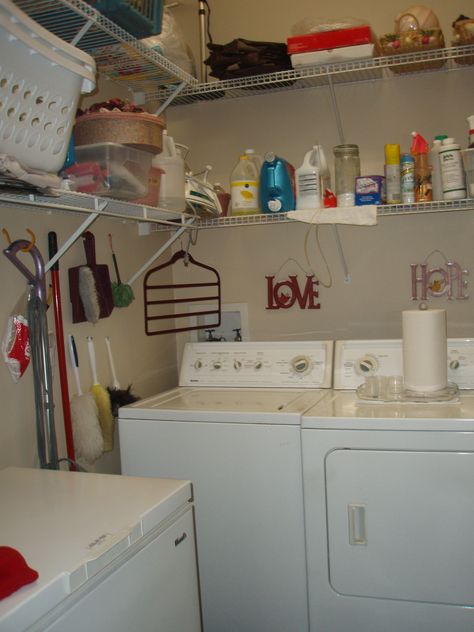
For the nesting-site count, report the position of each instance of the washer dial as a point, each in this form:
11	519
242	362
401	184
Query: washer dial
367	365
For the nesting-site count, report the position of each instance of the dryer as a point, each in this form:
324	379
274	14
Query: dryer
233	425
389	500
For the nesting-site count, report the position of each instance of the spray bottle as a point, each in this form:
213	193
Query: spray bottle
470	121
419	151
312	178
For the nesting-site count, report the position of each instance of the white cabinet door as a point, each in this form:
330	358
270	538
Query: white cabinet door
156	590
400	524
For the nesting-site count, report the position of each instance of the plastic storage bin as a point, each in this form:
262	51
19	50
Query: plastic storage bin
111	169
41	79
141	18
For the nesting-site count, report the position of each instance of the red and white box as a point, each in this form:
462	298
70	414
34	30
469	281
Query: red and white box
328	40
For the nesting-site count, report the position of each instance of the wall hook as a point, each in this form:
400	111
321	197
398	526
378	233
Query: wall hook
6	234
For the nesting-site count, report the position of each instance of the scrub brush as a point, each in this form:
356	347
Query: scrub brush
102	399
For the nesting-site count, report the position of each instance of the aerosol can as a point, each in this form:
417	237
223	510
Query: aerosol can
312	178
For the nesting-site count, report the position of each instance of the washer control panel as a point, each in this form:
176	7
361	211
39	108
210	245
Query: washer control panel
354	360
300	364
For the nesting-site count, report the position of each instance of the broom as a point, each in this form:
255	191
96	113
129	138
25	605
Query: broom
102	399
87	434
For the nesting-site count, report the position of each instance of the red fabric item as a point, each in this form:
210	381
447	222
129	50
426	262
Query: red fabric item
14	571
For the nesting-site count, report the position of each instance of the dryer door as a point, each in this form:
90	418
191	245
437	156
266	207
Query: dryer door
400	524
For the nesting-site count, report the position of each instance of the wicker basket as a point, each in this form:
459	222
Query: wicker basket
463	35
413	41
140	130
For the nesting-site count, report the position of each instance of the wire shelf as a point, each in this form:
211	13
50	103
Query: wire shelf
453	58
118	55
387	210
69	202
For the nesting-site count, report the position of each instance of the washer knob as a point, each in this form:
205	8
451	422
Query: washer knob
258	365
301	364
237	365
198	365
217	364
454	364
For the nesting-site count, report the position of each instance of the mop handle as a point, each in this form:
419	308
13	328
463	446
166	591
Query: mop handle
74	362
90	348
115	382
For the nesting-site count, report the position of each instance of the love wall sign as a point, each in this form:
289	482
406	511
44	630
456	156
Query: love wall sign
287	293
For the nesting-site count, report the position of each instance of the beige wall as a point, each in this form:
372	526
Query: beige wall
372	113
287	123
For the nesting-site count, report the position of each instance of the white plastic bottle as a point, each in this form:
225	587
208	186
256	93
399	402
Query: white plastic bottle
172	185
256	159
311	179
436	186
244	187
452	172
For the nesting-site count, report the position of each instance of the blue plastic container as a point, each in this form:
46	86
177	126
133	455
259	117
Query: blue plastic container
140	18
276	187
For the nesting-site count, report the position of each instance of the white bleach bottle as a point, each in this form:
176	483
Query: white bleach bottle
311	180
172	186
452	172
436	184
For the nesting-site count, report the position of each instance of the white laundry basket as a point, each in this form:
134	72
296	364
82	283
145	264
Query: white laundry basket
41	80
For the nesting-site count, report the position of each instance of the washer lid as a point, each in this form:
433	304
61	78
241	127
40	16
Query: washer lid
69	525
237	405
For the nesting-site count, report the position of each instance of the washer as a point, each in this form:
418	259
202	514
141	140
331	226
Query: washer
232	427
389	501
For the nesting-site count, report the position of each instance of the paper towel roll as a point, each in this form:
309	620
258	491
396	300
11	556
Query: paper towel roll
425	350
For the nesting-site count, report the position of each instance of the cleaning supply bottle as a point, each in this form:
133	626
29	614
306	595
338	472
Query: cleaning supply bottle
172	185
392	174
470	121
419	151
312	178
436	186
407	178
276	186
255	158
452	172
244	188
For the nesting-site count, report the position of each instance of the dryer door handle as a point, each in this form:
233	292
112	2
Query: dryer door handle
357	524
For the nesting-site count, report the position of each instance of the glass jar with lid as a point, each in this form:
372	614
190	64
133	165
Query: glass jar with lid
346	168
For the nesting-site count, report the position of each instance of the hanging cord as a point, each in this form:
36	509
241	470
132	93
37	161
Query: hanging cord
44	405
315	226
208	21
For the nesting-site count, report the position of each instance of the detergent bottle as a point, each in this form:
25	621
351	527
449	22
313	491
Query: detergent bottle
419	151
312	178
172	186
244	187
276	187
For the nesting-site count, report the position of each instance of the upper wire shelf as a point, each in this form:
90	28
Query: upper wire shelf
118	55
453	58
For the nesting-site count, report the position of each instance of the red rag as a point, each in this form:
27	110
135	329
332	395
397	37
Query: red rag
14	571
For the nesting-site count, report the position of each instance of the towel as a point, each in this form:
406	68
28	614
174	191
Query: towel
365	215
14	571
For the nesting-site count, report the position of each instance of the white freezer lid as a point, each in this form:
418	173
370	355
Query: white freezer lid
70	525
232	405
